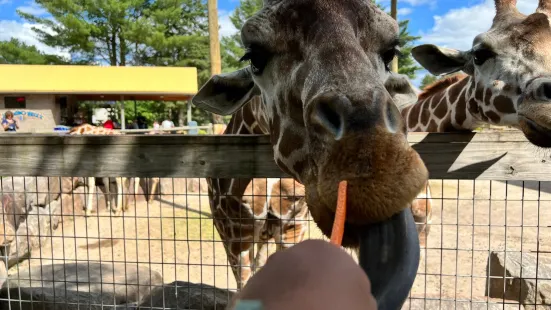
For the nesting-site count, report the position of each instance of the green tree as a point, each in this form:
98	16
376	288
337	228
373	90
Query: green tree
93	30
129	32
427	80
406	63
17	52
232	48
175	33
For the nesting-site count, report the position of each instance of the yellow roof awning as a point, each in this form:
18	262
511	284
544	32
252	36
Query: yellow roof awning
98	81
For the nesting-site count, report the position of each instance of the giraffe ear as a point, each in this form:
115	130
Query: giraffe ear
225	93
401	90
440	60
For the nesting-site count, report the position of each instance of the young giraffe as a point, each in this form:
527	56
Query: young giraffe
330	117
279	212
121	203
507	81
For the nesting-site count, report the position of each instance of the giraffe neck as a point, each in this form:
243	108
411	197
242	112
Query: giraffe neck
459	104
250	119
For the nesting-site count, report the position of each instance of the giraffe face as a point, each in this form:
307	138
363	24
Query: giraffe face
281	197
511	69
321	68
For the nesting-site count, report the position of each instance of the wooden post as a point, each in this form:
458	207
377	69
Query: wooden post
215	62
394	14
215	59
188	111
123	118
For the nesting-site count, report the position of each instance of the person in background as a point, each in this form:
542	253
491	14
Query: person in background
167	123
142	122
109	124
9	123
156	125
134	125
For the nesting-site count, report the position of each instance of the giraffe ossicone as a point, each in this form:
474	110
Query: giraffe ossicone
320	68
504	79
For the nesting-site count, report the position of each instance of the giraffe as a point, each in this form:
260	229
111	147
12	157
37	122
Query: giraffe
121	203
152	183
279	212
330	117
506	81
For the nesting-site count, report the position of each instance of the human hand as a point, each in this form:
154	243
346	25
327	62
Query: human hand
313	274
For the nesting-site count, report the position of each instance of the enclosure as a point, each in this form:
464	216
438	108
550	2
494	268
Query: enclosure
488	245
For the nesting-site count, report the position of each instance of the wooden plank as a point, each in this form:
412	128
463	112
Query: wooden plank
489	156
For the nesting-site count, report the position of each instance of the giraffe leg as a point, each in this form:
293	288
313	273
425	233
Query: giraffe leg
133	183
421	208
107	193
259	241
239	260
118	207
90	195
261	254
154	184
136	187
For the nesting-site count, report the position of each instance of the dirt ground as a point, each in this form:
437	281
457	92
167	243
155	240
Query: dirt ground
175	236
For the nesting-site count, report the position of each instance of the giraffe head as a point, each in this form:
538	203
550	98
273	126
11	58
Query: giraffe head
321	69
510	65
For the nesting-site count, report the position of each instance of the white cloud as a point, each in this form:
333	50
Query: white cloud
23	32
418	2
431	3
31	7
2	2
226	26
404	11
458	27
419	75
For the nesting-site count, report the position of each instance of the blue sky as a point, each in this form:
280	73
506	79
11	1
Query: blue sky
449	23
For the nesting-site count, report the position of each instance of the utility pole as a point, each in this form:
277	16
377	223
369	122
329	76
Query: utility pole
394	14
215	59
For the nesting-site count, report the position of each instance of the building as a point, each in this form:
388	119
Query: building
43	96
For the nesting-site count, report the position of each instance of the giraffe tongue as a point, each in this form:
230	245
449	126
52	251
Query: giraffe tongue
389	255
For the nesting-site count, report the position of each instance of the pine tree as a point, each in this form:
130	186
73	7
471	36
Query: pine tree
17	52
232	48
427	80
130	32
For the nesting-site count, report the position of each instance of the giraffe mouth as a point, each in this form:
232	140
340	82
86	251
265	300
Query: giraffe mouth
537	134
389	254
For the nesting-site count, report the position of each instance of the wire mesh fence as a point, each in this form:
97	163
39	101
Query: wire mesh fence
488	247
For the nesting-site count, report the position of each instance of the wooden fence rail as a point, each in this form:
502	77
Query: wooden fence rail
489	156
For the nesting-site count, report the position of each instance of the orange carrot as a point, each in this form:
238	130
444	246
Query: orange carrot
340	215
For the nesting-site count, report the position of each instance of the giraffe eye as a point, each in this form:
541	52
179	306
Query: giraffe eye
292	198
258	58
389	55
480	56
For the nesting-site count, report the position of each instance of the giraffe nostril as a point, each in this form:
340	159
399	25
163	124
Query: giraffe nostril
328	113
546	89
543	91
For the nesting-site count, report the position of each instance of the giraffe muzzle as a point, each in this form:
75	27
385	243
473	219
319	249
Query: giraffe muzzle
389	254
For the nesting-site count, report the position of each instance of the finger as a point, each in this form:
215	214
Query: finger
313	274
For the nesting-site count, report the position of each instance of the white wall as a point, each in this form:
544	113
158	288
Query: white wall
41	112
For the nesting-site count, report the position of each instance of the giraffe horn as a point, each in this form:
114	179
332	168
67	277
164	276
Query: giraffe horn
503	6
544	7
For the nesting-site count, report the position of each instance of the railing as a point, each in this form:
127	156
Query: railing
489	215
208	128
